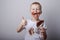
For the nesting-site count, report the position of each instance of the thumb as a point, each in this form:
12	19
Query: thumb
23	17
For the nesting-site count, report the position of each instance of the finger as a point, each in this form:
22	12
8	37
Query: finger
23	17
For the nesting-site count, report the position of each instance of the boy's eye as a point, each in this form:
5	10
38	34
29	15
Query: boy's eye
36	9
33	9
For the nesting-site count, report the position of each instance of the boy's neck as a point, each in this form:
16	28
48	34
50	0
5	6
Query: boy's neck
35	19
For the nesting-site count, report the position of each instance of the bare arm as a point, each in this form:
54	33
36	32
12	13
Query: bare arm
43	33
22	25
20	28
41	26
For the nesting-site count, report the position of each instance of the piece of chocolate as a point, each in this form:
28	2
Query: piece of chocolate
39	23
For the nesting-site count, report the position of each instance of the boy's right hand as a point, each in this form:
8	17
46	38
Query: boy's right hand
24	21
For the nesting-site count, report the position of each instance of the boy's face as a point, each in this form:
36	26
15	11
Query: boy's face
35	11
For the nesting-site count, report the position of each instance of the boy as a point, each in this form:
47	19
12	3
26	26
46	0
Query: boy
35	28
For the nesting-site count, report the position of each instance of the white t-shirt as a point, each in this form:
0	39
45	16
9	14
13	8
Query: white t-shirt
35	36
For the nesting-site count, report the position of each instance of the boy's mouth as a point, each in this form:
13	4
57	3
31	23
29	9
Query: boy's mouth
35	13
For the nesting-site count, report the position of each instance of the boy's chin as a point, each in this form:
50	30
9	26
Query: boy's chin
36	18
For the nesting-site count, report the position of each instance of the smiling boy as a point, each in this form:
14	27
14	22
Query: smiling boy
34	26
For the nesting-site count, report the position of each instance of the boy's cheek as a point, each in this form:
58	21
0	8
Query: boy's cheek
32	11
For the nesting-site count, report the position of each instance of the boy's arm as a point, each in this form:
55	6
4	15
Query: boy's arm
43	29
43	33
20	27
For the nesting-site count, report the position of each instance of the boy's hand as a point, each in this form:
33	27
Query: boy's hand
24	21
22	25
31	31
43	32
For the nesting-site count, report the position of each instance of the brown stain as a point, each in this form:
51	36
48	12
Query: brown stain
39	23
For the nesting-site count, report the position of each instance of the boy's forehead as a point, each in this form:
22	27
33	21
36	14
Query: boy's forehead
35	5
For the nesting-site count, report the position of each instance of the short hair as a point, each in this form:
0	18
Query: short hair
37	4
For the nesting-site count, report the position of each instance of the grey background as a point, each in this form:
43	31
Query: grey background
11	12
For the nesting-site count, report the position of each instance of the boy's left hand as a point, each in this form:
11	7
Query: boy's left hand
43	32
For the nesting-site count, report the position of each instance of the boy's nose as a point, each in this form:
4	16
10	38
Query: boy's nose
35	11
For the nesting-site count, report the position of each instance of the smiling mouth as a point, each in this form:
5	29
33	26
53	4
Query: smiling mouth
35	13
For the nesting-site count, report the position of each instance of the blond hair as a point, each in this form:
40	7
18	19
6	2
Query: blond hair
37	4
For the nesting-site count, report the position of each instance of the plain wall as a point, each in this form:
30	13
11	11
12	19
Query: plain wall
11	12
